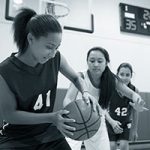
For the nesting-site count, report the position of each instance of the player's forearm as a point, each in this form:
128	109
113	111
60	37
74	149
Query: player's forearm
108	117
80	84
126	91
28	118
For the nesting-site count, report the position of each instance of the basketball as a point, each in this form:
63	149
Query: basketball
87	121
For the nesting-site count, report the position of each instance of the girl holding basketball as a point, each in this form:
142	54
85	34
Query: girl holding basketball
101	83
28	84
123	119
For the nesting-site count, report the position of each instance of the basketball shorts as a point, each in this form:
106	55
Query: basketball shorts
116	137
99	141
55	145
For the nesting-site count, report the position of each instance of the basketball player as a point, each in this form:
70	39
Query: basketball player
101	83
121	113
28	83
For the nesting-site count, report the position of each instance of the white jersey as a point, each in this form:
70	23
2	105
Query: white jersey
100	140
91	89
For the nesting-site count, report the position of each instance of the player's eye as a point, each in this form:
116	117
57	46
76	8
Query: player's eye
127	75
121	74
92	61
100	61
49	47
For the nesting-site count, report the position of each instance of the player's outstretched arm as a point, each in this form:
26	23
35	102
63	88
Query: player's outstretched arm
70	95
138	103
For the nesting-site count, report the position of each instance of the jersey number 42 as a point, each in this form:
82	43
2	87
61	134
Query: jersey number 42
121	111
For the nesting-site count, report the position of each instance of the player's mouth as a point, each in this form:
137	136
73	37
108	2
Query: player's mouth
96	70
44	60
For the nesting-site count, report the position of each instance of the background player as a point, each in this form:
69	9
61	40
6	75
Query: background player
123	118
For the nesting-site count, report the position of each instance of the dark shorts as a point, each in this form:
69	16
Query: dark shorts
55	145
117	137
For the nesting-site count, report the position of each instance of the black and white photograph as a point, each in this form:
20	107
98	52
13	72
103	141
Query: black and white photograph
74	75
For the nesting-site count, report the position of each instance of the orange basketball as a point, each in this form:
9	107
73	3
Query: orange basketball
87	121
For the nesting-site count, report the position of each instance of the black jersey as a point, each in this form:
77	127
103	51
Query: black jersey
35	90
119	107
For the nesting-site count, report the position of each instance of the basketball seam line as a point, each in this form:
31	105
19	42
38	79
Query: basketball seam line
82	118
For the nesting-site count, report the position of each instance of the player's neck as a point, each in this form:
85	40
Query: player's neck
27	59
95	80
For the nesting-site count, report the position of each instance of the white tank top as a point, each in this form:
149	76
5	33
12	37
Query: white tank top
91	89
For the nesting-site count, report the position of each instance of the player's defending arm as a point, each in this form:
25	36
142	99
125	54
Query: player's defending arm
70	95
138	102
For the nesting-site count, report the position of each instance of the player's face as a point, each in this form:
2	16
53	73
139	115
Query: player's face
125	74
45	48
96	62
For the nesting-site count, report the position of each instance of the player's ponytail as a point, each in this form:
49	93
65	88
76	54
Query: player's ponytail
27	21
107	87
20	27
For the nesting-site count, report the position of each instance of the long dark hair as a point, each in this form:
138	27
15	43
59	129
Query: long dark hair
27	21
107	83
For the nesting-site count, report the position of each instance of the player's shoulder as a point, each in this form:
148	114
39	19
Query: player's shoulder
5	89
2	81
4	63
3	85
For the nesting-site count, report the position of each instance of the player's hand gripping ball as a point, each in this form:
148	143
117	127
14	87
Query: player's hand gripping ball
87	121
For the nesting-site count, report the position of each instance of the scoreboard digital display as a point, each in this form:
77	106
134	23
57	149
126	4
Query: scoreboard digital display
134	19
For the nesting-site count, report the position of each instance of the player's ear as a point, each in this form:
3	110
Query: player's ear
30	38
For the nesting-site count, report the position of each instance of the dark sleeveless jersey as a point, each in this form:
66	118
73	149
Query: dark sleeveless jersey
34	89
119	108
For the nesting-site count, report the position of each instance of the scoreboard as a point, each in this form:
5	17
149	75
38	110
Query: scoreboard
134	19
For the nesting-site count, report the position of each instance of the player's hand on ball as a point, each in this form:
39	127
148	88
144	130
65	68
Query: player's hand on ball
60	122
86	96
87	121
91	99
